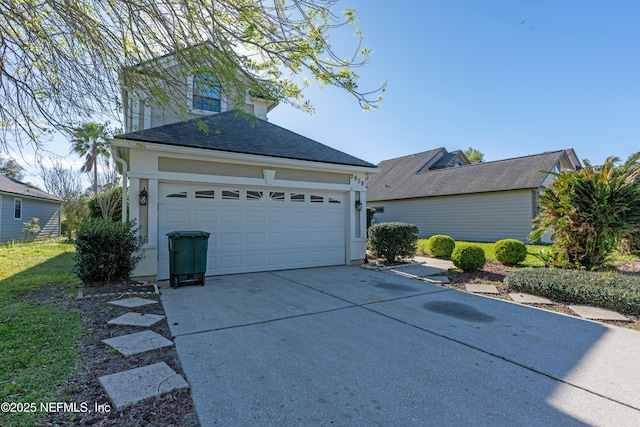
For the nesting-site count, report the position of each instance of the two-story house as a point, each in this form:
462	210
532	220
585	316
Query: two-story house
271	199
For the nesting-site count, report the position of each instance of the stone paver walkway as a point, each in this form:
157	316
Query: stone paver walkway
134	385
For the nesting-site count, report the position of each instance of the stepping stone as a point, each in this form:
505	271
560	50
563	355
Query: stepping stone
529	299
136	319
139	342
597	313
132	302
130	387
419	270
482	289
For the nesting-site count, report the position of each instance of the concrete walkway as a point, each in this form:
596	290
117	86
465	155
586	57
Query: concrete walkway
349	346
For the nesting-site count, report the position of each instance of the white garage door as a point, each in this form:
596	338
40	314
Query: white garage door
253	228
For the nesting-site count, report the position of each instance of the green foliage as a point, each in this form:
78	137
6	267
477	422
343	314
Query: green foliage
473	155
393	240
468	257
107	204
630	244
440	245
510	251
31	227
589	211
617	292
106	251
273	50
370	214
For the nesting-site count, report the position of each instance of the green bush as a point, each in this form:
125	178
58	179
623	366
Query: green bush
393	240
614	291
510	251
106	251
440	245
468	257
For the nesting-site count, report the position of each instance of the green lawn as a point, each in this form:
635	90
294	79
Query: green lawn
530	261
37	335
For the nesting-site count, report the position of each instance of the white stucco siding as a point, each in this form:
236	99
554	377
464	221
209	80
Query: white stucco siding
484	217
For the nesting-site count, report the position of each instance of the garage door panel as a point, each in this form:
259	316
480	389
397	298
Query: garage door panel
176	216
255	234
231	240
255	239
231	217
204	216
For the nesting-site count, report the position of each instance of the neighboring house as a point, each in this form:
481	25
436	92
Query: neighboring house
270	198
442	193
19	203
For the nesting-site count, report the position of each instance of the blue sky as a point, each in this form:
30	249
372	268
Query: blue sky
471	73
509	78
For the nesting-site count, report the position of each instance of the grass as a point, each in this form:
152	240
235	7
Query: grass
490	255
37	335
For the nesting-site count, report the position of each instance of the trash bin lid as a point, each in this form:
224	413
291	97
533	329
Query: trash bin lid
188	233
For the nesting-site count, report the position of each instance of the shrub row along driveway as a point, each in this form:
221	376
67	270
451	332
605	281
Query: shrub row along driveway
348	346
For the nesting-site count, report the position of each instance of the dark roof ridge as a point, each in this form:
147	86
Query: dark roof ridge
512	158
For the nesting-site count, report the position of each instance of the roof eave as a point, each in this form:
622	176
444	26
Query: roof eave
244	158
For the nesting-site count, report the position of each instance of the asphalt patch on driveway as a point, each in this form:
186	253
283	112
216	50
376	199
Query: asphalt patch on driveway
458	310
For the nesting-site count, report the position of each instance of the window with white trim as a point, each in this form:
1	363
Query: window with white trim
17	208
206	93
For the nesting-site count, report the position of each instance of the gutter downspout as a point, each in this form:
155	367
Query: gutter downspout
125	172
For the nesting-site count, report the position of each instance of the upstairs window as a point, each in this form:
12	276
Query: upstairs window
206	93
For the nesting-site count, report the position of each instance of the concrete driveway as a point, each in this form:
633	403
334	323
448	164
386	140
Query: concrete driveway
345	346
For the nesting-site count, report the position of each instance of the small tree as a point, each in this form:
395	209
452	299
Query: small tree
31	227
589	211
66	184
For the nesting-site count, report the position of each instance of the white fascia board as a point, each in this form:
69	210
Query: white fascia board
243	158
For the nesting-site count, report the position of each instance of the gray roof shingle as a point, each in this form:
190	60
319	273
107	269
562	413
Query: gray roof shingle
398	178
13	186
230	131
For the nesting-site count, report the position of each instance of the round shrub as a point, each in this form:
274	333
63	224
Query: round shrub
392	240
106	251
510	251
440	245
468	257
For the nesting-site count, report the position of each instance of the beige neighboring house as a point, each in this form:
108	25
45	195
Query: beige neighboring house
271	199
443	193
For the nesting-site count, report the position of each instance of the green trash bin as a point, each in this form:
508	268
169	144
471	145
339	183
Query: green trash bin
187	257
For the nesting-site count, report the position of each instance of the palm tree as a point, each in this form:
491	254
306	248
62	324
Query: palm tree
90	140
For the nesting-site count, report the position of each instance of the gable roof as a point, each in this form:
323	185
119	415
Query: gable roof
13	186
233	132
399	177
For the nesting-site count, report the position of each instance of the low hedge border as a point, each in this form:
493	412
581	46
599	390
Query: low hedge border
617	292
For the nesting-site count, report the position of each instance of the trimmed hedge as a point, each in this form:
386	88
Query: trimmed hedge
617	292
106	251
468	257
440	246
392	240
510	251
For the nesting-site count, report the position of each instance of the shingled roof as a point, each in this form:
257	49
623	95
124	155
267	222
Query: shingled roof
13	186
399	178
233	132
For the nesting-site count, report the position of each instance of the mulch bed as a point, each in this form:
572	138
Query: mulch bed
494	273
98	359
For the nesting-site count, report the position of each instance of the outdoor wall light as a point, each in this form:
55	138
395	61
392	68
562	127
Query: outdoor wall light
144	196
358	205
